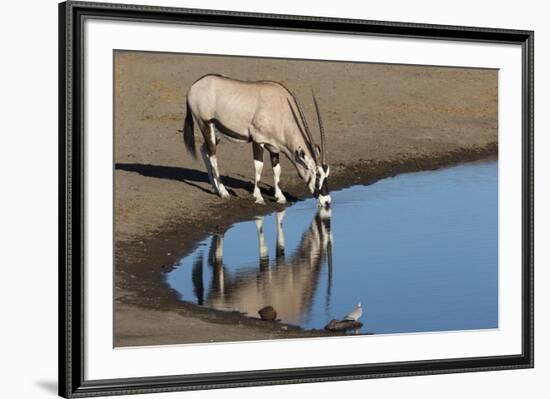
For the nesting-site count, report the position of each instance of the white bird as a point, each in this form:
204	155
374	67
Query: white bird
355	314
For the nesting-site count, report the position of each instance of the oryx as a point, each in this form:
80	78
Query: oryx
288	283
265	114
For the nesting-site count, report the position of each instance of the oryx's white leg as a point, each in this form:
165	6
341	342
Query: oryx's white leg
217	181
220	279
276	178
211	145
280	235
264	253
215	255
258	151
206	160
218	255
258	166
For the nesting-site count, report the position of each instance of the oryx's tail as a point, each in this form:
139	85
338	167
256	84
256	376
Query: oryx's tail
188	132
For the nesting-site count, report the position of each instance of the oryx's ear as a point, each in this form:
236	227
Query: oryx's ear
318	149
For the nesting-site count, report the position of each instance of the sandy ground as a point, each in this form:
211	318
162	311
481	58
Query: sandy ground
380	120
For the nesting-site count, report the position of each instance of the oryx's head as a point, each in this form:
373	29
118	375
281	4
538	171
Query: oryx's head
312	165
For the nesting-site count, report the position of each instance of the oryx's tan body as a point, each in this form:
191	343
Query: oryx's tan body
256	112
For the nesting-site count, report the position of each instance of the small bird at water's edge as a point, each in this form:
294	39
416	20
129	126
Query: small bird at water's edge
355	314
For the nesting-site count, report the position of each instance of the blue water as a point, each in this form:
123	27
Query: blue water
418	250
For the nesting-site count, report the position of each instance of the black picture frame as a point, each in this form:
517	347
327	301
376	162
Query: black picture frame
71	200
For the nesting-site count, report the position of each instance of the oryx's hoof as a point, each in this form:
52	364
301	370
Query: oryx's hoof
259	200
223	193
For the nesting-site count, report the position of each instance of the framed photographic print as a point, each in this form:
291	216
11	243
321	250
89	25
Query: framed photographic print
251	199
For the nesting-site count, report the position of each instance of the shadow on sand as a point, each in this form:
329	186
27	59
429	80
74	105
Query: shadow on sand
191	177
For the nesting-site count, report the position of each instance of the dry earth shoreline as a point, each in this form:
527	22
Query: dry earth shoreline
381	120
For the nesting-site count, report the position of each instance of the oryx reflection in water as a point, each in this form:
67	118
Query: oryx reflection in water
288	282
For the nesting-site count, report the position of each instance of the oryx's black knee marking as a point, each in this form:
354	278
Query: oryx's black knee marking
274	159
258	152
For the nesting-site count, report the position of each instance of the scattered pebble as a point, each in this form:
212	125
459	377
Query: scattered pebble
268	313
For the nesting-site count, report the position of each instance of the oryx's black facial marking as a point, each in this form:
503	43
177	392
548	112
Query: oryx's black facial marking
321	187
300	157
324	188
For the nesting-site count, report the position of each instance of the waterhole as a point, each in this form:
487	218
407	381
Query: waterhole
419	251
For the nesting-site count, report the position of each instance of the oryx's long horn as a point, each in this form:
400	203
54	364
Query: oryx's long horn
322	131
311	143
329	274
